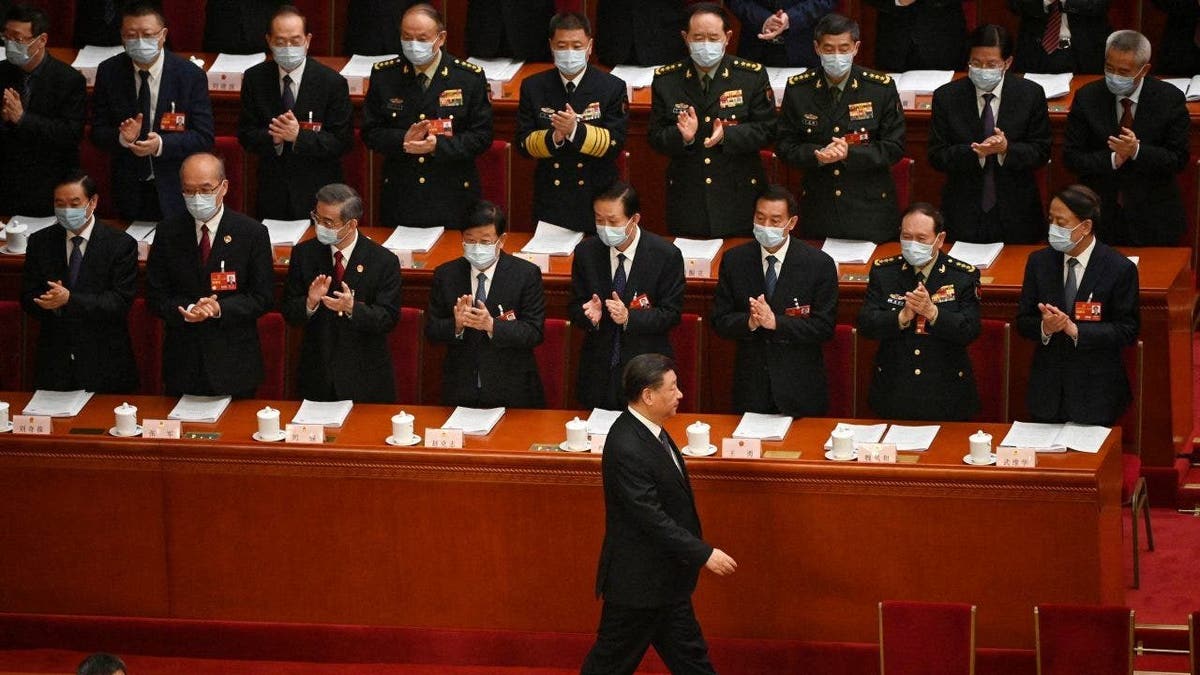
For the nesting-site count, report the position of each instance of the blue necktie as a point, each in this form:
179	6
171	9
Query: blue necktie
75	263
1072	286
289	96
481	298
618	285
771	277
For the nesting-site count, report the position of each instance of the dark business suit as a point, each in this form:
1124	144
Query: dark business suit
509	28
36	153
1178	55
216	356
926	35
373	26
115	99
780	370
238	26
657	272
640	32
345	357
568	177
1017	216
651	556
85	343
1085	382
288	180
1088	23
796	46
501	370
1140	202
97	22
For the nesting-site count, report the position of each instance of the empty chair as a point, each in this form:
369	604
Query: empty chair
495	173
554	361
990	359
841	370
1075	639
902	173
146	336
407	341
687	342
227	148
272	338
926	638
1133	485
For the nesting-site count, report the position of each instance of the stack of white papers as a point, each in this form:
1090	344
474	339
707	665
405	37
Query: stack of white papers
34	224
474	421
911	438
979	255
863	433
635	77
323	413
142	230
849	251
1055	84
922	81
57	403
199	408
1056	437
358	70
779	77
700	249
601	421
89	58
1189	87
415	239
225	74
553	240
498	70
286	232
765	427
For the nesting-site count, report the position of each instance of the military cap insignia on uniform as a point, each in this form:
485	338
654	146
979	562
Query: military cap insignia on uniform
802	77
888	261
388	63
465	65
669	68
747	65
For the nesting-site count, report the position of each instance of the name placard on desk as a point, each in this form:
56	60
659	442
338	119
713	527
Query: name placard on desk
741	448
166	429
877	453
37	425
405	256
542	260
436	437
304	433
596	441
697	268
1016	458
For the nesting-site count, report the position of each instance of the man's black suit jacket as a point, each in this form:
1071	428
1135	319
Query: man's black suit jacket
1085	382
640	32
504	362
288	180
1140	202
220	355
238	26
114	100
85	343
652	551
509	28
797	39
936	29
1017	217
781	370
373	26
345	357
1088	23
657	272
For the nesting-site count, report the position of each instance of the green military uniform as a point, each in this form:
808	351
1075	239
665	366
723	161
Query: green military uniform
922	375
711	191
438	188
854	198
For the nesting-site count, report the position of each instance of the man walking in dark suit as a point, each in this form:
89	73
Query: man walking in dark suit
990	132
1060	36
344	290
1079	304
919	34
639	32
777	297
779	32
209	278
508	28
626	294
41	116
652	551
78	283
150	110
488	308
571	119
296	116
1127	139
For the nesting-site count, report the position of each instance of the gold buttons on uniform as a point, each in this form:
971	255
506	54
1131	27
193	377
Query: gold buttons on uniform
754	181
579	165
580	183
837	193
837	172
917	371
916	352
707	118
556	165
557	181
708	160
708	181
421	180
422	116
420	160
836	129
466	183
960	373
884	195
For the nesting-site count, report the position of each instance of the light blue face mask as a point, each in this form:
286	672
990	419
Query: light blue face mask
142	50
418	53
1119	85
836	65
1060	238
481	256
915	253
570	61
72	218
612	236
202	206
769	237
17	53
985	78
707	54
289	57
328	235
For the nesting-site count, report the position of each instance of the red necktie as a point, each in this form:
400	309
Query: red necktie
1127	113
205	246
1053	28
339	270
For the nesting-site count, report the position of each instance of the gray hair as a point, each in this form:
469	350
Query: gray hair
340	194
1129	41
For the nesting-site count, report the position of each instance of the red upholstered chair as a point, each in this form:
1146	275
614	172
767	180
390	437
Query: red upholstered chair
971	13
98	165
1193	657
495	172
1190	193
185	19
1133	485
841	370
770	162
408	345
319	14
11	338
687	341
990	359
146	334
1041	176
1074	639
902	173
623	166
568	5
227	148
356	172
272	336
554	361
926	638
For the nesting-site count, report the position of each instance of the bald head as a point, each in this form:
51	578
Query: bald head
203	173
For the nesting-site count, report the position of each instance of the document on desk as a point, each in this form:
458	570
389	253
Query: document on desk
601	421
1056	437
415	239
501	70
1054	84
922	81
358	69
778	77
142	230
199	408
323	413
849	251
635	77
863	433
979	255
57	403
1083	437
474	421
911	437
700	249
553	240
286	232
764	427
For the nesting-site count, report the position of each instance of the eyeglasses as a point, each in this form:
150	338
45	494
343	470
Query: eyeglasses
20	40
131	35
201	191
297	41
987	65
323	222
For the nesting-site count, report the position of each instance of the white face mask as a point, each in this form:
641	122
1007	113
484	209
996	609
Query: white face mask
481	256
202	206
985	79
836	65
769	237
289	57
570	61
915	253
329	235
707	54
1060	238
613	236
418	53
142	50
72	218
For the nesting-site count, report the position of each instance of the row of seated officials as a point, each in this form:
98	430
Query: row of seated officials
209	277
427	113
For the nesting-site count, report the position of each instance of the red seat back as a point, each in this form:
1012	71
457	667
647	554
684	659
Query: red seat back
407	345
926	638
185	24
146	336
841	370
495	171
98	165
356	172
1073	639
770	162
272	336
227	148
1130	421
1190	194
623	166
319	15
12	337
902	172
553	361
687	340
990	359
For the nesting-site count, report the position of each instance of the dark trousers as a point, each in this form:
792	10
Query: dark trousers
626	632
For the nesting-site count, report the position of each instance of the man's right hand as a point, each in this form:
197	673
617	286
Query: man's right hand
720	564
592	310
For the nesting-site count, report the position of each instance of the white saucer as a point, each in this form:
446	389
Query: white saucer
991	460
5	251
853	456
412	440
279	436
137	431
6	428
566	448
705	452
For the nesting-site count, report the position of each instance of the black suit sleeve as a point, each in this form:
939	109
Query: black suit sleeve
818	326
439	319
730	317
1029	317
1033	149
113	303
1172	155
668	307
381	315
1121	327
526	330
944	154
105	121
580	293
64	131
1076	142
159	284
256	293
295	292
252	129
200	126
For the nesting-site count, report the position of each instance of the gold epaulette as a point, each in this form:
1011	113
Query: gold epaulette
876	76
381	65
467	65
966	267
747	65
670	68
810	74
880	262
